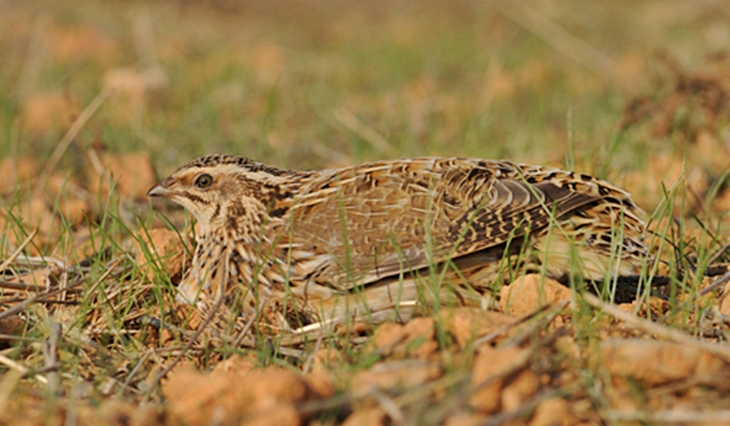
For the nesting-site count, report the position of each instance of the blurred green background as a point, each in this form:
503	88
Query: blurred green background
316	84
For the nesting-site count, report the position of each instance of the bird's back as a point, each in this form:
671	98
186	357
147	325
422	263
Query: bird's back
358	225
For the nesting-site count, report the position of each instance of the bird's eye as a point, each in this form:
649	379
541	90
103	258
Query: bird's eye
204	181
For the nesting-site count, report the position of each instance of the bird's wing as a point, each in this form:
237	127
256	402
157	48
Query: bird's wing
358	225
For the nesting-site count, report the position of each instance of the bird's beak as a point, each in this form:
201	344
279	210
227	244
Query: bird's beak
160	190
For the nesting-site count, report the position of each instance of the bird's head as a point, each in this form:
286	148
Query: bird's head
223	191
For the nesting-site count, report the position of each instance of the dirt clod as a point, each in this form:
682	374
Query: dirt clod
468	324
415	338
493	370
530	293
267	397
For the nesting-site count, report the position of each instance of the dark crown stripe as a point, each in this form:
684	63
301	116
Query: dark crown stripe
243	162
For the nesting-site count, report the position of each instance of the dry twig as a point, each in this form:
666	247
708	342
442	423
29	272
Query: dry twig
720	350
50	359
9	261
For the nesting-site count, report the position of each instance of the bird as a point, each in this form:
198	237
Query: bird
293	251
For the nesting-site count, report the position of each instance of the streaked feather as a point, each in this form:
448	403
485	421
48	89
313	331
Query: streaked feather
367	240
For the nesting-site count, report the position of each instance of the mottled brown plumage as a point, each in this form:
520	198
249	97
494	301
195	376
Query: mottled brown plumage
369	241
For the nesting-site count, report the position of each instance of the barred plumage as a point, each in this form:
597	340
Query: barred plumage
305	247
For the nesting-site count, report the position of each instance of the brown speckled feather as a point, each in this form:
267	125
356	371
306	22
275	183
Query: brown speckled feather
389	211
317	238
